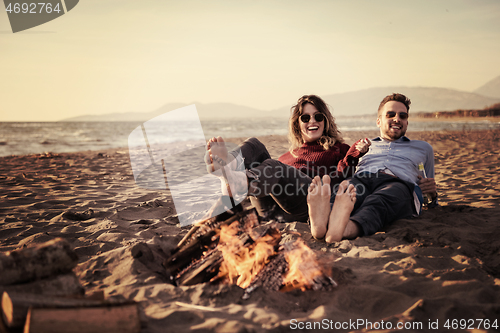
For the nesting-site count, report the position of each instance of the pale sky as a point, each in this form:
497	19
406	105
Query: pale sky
128	55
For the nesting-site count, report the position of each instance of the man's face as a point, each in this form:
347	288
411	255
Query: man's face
393	120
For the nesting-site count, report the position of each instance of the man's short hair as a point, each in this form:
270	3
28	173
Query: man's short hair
395	97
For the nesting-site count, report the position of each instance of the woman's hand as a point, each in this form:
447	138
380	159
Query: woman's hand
363	145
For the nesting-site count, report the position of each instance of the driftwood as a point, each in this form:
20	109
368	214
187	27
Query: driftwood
15	305
61	285
44	260
109	319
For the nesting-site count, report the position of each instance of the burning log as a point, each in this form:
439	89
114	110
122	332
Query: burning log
211	223
202	237
270	276
239	250
304	270
208	267
201	271
243	260
295	266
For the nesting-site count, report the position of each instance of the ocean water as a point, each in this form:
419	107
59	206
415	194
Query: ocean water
21	138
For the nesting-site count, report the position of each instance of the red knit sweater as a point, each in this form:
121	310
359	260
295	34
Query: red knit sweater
313	160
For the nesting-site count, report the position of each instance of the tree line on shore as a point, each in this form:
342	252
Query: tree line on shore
490	111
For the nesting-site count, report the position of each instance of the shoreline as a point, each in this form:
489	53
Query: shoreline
457	119
350	136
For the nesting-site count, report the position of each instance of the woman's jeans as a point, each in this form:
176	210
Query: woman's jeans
275	189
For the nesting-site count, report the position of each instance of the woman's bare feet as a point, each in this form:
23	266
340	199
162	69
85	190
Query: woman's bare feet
341	212
223	165
318	202
216	155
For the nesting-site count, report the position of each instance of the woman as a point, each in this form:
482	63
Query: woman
279	187
316	143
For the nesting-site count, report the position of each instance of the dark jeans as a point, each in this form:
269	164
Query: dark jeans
380	200
275	188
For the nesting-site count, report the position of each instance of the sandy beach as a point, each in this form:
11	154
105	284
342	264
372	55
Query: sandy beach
443	265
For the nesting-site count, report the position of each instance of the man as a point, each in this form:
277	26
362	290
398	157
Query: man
387	185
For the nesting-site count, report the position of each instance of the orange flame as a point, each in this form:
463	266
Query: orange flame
242	263
303	267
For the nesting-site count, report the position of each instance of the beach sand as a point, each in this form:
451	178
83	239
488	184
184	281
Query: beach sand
442	265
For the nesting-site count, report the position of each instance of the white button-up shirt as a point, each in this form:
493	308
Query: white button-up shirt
401	157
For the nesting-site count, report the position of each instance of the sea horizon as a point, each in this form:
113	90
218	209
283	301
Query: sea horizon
23	138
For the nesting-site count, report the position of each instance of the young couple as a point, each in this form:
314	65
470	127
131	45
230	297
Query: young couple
304	183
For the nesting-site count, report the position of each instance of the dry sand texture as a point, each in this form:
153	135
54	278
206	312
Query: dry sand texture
442	265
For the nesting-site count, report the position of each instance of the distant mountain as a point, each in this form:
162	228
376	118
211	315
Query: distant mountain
205	111
366	101
490	89
355	103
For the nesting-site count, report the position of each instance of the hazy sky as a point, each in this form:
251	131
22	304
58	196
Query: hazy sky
128	55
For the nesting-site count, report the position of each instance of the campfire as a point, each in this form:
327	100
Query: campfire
237	248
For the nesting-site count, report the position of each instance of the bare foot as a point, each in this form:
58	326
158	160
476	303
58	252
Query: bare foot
318	202
217	156
223	165
341	211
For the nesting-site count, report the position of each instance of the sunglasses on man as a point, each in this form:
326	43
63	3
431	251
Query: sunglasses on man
319	117
392	114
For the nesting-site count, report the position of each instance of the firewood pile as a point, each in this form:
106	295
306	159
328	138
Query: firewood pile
40	293
238	248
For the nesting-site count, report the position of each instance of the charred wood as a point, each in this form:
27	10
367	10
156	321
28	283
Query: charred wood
271	277
202	238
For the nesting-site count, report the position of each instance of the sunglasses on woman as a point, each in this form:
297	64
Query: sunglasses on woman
319	117
392	114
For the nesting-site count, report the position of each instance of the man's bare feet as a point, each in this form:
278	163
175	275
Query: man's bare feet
318	202
341	211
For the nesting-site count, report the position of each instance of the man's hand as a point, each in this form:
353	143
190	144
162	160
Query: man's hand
363	145
428	185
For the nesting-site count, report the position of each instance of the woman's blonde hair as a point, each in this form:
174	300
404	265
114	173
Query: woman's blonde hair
330	132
